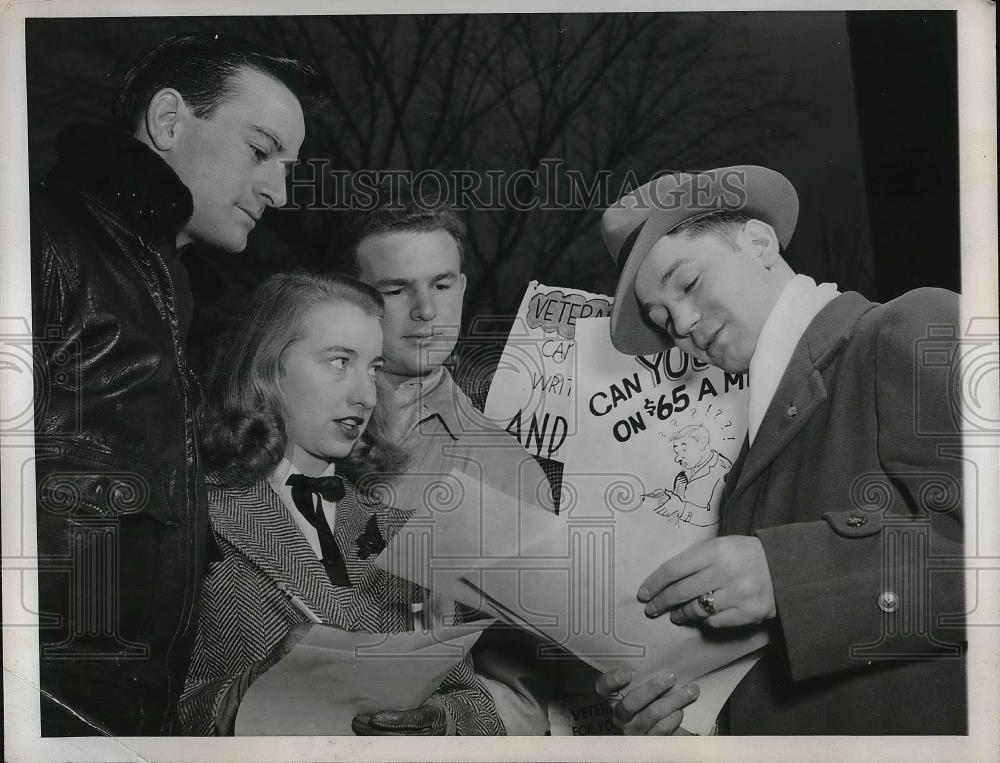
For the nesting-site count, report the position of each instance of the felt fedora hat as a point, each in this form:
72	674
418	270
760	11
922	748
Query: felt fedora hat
633	224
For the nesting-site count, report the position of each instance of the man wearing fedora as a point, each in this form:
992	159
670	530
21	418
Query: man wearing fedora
846	498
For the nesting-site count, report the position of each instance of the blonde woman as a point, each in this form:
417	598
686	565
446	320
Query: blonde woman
290	422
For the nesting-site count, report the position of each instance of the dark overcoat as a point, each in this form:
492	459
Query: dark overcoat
854	487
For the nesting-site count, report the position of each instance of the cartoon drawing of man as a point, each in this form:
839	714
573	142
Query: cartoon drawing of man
699	484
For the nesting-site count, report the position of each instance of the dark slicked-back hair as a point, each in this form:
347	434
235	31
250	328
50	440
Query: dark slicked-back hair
202	68
395	210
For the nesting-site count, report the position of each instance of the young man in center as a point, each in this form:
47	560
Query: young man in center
412	255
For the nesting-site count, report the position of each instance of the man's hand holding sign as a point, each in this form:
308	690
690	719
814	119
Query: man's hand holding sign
654	707
722	582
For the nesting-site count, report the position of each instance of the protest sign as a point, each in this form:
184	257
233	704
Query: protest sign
532	392
643	478
644	470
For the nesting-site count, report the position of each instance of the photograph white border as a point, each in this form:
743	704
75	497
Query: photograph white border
978	184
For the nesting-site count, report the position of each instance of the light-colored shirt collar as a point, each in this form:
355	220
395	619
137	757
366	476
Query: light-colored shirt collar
418	399
800	301
408	391
286	469
276	481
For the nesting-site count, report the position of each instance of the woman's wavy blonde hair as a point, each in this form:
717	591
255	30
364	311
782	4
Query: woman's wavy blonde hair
242	417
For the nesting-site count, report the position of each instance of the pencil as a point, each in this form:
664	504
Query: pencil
300	605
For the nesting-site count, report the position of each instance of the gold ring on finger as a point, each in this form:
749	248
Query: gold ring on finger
707	603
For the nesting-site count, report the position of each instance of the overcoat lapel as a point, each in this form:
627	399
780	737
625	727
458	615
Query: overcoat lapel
368	582
734	474
802	389
257	523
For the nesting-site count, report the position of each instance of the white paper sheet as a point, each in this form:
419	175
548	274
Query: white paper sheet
331	675
569	581
481	528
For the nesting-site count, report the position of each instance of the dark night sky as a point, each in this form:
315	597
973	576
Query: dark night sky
847	115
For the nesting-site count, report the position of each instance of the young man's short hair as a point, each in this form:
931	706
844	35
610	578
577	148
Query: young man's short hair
395	210
202	68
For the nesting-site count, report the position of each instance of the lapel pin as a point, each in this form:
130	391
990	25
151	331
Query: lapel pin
370	541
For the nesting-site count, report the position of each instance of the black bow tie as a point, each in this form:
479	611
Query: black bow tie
329	488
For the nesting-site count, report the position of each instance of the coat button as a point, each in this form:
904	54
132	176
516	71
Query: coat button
792	411
856	520
888	601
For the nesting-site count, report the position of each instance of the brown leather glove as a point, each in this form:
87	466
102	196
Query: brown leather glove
429	719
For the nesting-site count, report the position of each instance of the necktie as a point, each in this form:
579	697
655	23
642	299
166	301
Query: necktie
330	489
681	483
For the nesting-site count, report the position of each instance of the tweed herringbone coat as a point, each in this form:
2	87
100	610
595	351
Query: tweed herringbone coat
247	610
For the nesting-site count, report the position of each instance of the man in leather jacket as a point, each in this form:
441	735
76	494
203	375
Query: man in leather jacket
204	127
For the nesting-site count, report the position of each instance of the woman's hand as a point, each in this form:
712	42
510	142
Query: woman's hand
429	719
654	707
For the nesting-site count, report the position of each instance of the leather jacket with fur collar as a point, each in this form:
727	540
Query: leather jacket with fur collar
122	523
